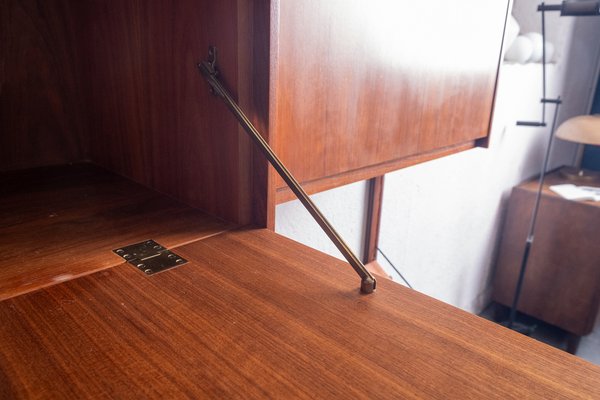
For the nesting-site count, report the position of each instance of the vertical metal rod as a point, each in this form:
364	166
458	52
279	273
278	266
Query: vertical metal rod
531	232
209	71
543	63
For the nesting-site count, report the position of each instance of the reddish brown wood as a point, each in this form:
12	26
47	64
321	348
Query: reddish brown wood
121	78
285	194
562	280
255	315
358	86
373	218
41	111
59	223
254	51
152	116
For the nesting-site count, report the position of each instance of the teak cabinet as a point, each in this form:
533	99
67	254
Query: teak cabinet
343	90
562	279
109	136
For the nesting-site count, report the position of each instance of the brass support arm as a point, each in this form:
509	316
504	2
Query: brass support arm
209	71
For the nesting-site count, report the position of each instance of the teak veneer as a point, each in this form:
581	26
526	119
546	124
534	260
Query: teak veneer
256	315
252	315
57	223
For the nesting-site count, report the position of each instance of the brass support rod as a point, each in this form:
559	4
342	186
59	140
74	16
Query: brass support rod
209	71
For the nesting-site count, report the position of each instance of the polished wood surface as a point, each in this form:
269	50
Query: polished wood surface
153	118
255	315
254	43
42	118
117	83
562	281
374	205
362	83
58	223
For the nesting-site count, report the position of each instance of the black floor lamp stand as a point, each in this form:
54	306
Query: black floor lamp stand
511	322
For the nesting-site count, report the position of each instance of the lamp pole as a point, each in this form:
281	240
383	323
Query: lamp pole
511	323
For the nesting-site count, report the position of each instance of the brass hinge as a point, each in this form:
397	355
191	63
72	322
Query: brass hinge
149	257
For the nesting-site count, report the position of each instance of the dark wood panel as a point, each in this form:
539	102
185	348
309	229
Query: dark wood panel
562	281
256	315
121	77
58	223
41	113
362	83
152	116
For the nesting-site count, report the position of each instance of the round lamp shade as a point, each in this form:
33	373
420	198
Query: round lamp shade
582	129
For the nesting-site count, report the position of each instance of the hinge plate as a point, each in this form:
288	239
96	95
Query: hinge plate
149	257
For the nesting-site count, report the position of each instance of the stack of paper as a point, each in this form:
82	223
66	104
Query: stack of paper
572	192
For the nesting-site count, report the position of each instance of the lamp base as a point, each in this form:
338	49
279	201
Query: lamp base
580	175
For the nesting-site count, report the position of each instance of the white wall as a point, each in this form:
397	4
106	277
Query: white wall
441	220
345	207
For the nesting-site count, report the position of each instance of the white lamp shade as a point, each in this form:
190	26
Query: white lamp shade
583	129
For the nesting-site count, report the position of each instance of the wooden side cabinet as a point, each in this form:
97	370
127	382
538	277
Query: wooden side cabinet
562	281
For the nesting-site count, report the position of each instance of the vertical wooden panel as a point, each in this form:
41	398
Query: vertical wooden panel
373	219
254	38
153	118
367	83
41	113
121	78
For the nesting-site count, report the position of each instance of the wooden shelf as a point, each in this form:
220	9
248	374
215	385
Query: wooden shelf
58	223
256	315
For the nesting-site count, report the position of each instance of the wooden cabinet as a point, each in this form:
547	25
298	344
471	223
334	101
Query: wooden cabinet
252	314
562	281
115	82
365	87
344	90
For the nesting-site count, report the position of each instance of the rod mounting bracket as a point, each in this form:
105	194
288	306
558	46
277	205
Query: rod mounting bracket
209	70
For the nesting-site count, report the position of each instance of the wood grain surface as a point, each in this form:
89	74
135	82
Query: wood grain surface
358	85
152	117
117	83
254	48
42	117
255	315
562	280
57	223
